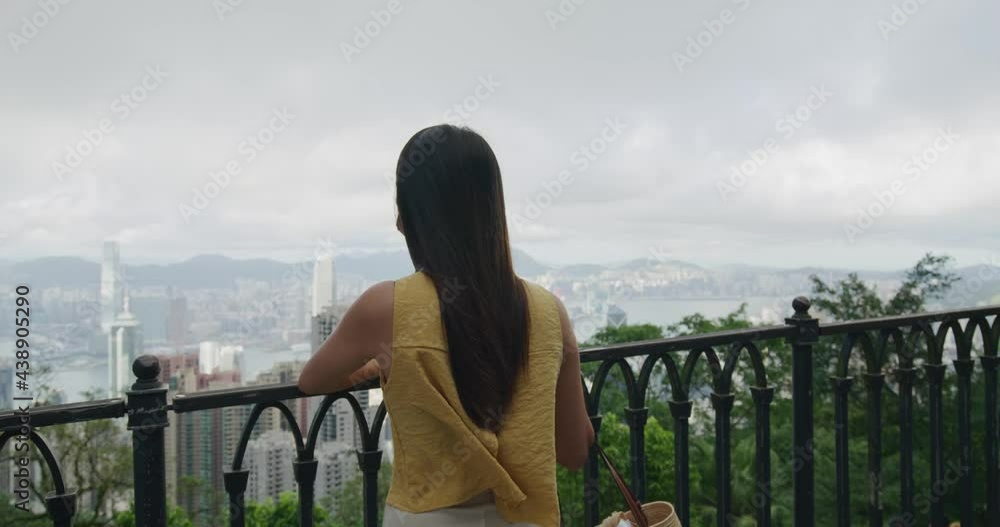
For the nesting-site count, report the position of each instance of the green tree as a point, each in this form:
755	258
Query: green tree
283	512
624	334
95	458
347	503
614	438
847	299
175	518
852	299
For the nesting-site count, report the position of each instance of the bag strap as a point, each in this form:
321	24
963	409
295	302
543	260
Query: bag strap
633	503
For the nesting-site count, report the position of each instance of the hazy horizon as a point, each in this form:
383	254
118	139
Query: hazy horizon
126	260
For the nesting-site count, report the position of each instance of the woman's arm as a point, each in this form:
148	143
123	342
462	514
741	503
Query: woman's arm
574	433
357	347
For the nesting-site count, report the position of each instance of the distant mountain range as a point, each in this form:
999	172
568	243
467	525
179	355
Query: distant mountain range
212	271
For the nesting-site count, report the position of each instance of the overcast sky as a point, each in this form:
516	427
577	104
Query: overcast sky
539	86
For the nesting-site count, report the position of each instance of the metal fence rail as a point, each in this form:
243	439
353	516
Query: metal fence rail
886	347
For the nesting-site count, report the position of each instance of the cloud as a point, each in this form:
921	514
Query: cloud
325	175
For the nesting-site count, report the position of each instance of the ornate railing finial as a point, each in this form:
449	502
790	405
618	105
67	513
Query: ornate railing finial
801	306
147	372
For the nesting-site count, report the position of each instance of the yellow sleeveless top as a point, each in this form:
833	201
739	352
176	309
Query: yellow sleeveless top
441	457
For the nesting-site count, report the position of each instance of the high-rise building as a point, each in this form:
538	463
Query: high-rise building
280	373
324	291
124	346
112	290
177	321
203	443
321	327
616	316
152	312
208	356
270	459
213	357
348	430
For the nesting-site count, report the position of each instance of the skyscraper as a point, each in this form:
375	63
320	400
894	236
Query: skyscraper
324	291
124	346
111	286
177	321
204	442
152	312
321	327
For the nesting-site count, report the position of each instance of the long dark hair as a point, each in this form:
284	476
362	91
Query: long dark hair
451	207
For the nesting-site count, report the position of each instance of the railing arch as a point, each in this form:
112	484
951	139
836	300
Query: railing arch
146	408
60	504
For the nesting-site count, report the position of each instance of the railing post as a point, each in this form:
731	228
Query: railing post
636	419
802	417
146	408
305	476
681	411
370	461
236	486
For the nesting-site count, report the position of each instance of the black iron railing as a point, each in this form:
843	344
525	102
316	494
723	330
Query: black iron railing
887	346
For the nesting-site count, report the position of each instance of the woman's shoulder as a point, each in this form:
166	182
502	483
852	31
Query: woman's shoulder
540	293
375	303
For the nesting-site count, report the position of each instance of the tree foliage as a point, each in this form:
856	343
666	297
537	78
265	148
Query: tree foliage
848	299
